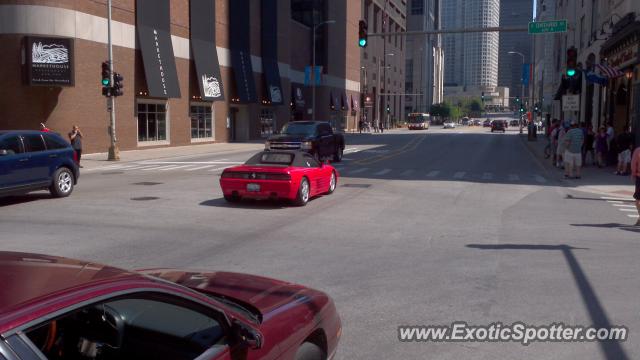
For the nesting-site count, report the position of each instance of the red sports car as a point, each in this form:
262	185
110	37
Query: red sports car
290	175
57	308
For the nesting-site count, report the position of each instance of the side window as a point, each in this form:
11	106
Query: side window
55	142
12	144
130	328
325	129
310	162
34	143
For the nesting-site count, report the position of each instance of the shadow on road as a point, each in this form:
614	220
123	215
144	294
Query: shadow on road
572	197
246	204
611	349
626	227
21	199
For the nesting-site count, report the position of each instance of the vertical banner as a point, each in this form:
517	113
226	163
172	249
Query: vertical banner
317	75
240	45
203	49
307	75
269	37
154	35
526	74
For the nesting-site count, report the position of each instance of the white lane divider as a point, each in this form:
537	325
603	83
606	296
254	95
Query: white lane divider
382	172
175	167
217	169
487	176
433	173
157	168
514	177
540	179
407	172
357	171
459	175
200	168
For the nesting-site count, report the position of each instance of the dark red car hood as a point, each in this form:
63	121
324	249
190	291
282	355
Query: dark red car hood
263	294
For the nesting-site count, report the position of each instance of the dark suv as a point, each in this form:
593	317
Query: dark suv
35	160
499	125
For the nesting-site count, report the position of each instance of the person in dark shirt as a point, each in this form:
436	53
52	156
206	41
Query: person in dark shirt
75	136
625	146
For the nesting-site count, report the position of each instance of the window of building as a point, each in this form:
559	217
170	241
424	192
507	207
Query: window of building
417	7
582	32
267	122
202	122
152	121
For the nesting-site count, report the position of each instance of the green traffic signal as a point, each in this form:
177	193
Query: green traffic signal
571	72
105	82
362	42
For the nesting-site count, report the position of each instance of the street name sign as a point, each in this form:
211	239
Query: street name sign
571	103
542	27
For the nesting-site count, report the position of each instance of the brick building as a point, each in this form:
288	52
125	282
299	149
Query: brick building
175	90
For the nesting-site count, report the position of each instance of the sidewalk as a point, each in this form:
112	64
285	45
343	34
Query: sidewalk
594	179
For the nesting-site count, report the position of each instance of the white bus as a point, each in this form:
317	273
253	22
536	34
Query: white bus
418	121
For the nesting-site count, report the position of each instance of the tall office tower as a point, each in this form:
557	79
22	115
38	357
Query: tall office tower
423	69
471	59
514	13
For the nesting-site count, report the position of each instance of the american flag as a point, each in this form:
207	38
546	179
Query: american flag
609	71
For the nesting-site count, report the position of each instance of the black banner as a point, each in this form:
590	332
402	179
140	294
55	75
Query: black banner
297	96
203	48
154	36
270	68
49	61
240	50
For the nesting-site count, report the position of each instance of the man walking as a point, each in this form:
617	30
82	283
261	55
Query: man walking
75	136
635	174
624	142
574	139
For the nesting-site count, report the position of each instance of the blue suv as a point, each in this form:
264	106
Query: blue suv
36	160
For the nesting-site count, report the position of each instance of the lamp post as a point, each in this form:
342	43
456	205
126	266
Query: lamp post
522	93
379	95
313	85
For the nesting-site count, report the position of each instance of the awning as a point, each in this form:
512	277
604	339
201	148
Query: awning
154	35
269	24
240	45
297	97
203	48
344	103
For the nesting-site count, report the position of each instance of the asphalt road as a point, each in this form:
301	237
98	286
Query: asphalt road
425	228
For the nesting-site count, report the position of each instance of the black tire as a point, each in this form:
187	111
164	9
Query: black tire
333	183
302	199
62	183
231	198
337	156
310	351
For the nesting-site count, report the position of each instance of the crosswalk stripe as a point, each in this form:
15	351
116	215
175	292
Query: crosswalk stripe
217	169
614	202
157	167
540	179
487	176
175	167
200	167
634	216
433	173
625	205
357	171
407	172
514	177
382	172
628	210
459	175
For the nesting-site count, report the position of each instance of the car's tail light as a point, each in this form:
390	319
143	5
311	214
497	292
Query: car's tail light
75	156
234	175
255	176
284	177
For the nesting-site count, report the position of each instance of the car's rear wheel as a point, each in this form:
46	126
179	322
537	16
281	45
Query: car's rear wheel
310	351
304	192
337	156
62	184
333	182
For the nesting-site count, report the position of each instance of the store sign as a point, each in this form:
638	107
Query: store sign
49	61
626	57
571	103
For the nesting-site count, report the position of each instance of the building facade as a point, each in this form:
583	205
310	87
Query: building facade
383	61
186	78
514	13
424	63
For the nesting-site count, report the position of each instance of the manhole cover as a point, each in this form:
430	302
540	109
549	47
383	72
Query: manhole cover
145	198
113	173
358	186
147	183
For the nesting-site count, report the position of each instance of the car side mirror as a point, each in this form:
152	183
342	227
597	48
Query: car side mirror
247	335
3	152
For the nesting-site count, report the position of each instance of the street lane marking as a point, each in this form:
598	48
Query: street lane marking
141	167
433	173
382	172
191	162
514	177
217	169
625	205
487	176
407	172
175	167
459	175
540	179
634	216
357	171
157	168
628	210
614	202
200	167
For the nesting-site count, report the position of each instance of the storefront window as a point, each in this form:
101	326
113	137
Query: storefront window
201	121
152	121
267	122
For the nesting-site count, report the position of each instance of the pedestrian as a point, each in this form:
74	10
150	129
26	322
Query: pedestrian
553	140
360	125
561	145
601	146
611	134
635	174
574	139
624	143
381	128
589	139
44	128
75	136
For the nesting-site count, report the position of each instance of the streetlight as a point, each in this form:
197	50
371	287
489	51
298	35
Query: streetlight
313	86
379	102
522	95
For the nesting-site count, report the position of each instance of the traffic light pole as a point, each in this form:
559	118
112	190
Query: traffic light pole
114	151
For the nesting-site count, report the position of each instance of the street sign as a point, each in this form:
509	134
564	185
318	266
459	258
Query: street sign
571	103
542	27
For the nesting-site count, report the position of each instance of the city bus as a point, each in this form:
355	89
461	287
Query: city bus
418	121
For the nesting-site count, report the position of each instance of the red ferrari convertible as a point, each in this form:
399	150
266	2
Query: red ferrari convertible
289	175
56	308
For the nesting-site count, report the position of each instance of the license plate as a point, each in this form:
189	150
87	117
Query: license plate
253	187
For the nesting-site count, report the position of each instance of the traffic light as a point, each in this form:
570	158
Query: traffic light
482	97
521	109
117	84
106	74
362	34
388	109
518	99
572	61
